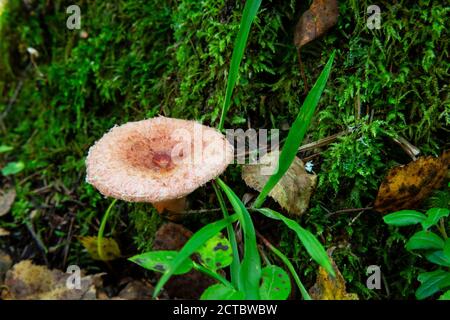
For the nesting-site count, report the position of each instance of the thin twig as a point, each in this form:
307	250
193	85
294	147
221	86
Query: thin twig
349	210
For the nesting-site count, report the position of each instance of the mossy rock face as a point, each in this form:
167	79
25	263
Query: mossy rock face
134	59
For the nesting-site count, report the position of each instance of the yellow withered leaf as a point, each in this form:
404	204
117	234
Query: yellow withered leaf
292	192
329	288
110	248
406	186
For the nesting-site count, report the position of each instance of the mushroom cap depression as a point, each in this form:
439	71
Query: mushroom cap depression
156	159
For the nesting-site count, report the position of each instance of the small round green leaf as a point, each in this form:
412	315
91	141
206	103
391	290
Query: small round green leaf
216	253
13	168
425	240
404	218
5	148
445	296
432	282
160	260
439	258
434	215
275	285
221	292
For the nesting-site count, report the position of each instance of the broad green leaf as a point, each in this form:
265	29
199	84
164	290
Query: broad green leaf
433	216
439	258
404	218
297	132
250	270
13	168
216	253
248	15
192	245
160	261
432	282
5	148
445	296
221	292
312	245
425	240
275	285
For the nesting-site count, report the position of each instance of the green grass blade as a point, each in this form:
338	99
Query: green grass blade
297	132
195	242
309	241
234	268
291	268
212	274
249	14
101	230
250	270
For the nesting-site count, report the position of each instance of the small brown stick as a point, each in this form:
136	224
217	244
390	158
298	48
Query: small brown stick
302	71
348	211
324	141
410	149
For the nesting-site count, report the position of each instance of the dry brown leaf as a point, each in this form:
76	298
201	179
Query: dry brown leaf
321	16
292	192
5	264
175	205
29	281
329	288
406	186
4	232
6	201
111	250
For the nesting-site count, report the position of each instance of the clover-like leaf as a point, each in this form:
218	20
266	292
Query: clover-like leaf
159	261
275	285
216	253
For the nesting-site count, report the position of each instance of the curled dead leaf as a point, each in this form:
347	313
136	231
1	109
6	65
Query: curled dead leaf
6	201
406	186
329	288
111	250
318	19
4	232
27	281
292	192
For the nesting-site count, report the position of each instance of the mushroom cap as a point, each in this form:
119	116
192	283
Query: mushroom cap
156	159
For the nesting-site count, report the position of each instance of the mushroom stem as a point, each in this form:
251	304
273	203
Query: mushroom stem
173	205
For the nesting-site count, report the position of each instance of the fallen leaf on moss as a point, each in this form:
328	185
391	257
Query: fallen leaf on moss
406	186
27	281
3	232
329	288
6	201
318	19
111	250
292	192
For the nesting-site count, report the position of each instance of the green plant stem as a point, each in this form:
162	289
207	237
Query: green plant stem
101	230
441	228
288	264
212	274
234	267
